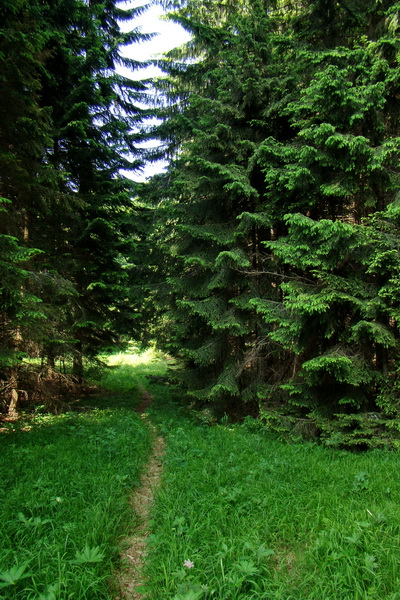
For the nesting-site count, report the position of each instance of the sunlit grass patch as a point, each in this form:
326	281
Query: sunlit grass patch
128	370
134	357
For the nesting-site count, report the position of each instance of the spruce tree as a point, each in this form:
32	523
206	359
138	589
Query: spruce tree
24	134
214	198
95	116
288	109
342	165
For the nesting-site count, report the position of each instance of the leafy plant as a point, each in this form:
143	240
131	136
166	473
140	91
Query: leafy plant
51	593
14	575
89	555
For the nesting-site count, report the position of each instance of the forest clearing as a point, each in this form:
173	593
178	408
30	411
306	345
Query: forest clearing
238	513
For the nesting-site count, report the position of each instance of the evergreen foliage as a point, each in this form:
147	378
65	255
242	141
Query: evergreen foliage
266	257
280	231
68	125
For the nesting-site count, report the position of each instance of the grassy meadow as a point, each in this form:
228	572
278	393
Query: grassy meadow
239	513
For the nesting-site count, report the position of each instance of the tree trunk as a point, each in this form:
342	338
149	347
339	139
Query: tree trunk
50	360
77	366
13	406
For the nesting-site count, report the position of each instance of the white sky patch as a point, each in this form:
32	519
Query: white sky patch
169	35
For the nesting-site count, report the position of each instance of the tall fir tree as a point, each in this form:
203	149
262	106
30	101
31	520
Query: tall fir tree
24	134
95	115
215	194
342	161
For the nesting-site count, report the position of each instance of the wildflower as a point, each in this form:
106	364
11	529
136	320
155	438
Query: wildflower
188	564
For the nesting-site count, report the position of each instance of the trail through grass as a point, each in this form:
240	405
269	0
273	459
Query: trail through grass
239	515
133	554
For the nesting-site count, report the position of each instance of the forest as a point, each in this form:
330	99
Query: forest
265	258
199	372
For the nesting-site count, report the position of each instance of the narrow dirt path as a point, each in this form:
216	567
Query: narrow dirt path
130	576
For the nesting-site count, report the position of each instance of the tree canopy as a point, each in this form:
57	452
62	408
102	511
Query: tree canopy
68	126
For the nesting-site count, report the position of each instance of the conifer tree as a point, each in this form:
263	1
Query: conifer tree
341	163
24	133
285	109
67	128
95	114
215	195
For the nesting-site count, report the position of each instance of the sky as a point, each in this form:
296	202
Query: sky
169	36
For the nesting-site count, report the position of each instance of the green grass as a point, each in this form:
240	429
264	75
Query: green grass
260	519
257	518
125	377
64	497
